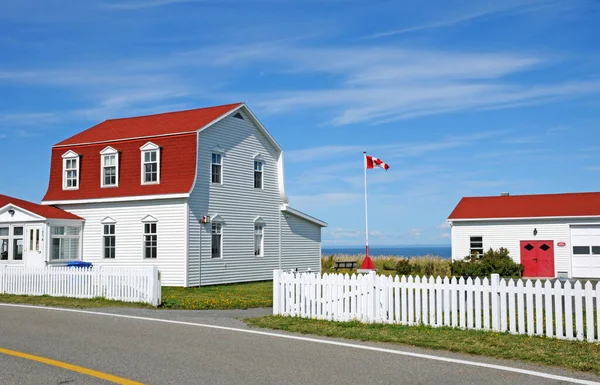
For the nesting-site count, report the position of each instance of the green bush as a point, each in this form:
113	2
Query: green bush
403	267
491	262
327	263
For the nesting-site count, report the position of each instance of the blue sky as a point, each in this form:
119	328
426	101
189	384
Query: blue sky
461	98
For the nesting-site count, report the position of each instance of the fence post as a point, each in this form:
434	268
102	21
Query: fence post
154	286
495	283
276	275
3	280
373	299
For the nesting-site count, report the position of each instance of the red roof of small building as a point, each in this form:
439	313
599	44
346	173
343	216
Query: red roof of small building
150	125
49	212
528	206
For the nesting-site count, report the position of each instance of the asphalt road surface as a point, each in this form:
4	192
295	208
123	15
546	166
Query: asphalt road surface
216	348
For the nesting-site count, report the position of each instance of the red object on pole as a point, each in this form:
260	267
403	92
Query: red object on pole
367	264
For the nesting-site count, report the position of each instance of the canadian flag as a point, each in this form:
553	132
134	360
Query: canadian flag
372	162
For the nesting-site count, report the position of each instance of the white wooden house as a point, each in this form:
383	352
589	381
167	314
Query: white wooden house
198	193
552	235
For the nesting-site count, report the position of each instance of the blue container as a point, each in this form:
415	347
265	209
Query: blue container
79	264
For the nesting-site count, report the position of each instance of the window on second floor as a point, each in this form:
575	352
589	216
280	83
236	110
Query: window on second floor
109	167
217	168
258	174
70	171
150	163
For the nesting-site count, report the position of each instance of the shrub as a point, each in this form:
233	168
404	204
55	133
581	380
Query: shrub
491	262
327	263
403	267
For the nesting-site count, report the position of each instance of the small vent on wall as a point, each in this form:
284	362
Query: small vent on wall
239	116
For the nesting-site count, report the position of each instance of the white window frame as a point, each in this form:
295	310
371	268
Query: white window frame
148	148
67	157
65	236
149	220
259	229
261	168
471	249
212	163
108	221
219	228
11	238
104	154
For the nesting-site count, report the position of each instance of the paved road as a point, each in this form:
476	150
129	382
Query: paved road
174	353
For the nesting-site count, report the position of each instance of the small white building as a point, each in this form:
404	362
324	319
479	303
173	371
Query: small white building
552	235
32	234
198	193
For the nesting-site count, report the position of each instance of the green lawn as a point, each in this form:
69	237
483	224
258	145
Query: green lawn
581	356
234	296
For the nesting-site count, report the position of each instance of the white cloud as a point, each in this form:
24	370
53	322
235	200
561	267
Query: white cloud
485	10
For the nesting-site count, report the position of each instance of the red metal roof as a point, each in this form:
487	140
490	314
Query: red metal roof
150	125
49	212
528	206
177	169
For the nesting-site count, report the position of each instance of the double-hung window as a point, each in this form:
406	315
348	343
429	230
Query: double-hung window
258	240
476	246
258	174
11	243
150	163
217	168
110	167
217	240
150	240
70	170
109	241
64	242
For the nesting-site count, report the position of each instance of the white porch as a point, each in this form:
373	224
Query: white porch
31	240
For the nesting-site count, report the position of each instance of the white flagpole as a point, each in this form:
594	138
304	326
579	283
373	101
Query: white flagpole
366	206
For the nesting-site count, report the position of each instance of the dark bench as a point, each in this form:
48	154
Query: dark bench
344	264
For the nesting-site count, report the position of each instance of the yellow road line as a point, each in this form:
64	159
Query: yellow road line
74	368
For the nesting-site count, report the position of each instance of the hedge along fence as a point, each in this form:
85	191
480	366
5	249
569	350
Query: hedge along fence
524	307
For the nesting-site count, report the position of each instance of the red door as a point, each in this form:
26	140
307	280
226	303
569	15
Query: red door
538	258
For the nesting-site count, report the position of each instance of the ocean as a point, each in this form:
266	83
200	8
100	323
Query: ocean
404	251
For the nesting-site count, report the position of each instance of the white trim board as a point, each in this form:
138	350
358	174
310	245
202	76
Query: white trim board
118	199
302	215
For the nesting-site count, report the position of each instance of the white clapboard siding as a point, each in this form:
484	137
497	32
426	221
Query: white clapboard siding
127	284
170	215
238	203
509	233
495	304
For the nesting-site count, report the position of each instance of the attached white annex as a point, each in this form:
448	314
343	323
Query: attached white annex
32	234
552	235
198	193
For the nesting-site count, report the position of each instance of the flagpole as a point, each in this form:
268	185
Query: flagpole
366	205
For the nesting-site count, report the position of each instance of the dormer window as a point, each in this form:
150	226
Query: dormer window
150	163
70	170
109	164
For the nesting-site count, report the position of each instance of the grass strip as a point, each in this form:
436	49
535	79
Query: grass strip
233	296
577	355
77	303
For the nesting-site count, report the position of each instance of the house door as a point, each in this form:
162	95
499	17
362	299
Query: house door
34	246
538	258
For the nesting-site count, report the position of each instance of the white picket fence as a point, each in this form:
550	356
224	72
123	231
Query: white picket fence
560	309
129	284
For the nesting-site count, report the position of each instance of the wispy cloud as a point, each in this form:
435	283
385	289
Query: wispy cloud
487	11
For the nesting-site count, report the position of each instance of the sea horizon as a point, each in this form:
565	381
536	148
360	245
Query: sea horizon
443	251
